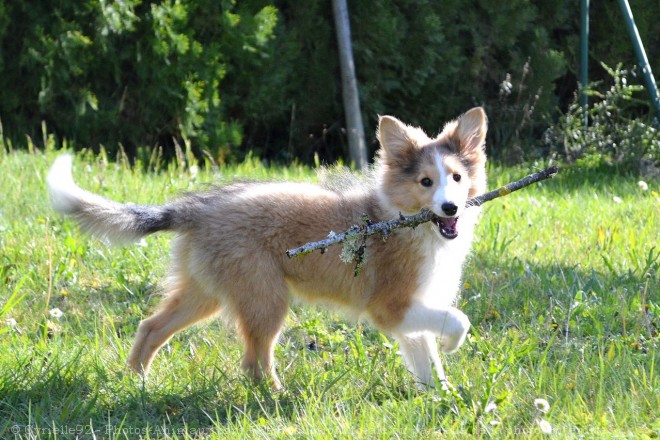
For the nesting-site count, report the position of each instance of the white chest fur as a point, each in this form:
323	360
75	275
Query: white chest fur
441	275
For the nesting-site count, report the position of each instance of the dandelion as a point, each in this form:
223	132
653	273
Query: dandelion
56	313
617	199
643	185
545	426
542	405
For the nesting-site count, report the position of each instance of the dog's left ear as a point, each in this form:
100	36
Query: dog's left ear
470	133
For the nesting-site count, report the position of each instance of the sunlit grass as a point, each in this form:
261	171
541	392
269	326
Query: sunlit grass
562	290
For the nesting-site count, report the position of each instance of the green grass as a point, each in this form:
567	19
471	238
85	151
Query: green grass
562	290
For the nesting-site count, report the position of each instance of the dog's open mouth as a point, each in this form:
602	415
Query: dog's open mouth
447	226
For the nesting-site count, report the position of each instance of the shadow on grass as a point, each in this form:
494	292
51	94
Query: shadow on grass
50	393
575	301
576	177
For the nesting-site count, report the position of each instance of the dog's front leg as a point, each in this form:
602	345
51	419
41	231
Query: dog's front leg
429	339
418	350
449	324
415	352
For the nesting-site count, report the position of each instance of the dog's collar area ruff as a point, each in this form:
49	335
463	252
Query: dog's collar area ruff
447	226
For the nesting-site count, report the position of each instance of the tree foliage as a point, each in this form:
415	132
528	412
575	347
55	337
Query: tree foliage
263	76
130	72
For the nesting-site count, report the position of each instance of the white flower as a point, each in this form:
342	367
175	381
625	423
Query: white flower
492	406
11	322
542	405
194	170
56	313
617	199
642	185
545	426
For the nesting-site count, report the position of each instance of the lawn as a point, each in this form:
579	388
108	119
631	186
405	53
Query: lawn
562	290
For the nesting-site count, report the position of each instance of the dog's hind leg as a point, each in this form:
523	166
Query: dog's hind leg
184	305
260	316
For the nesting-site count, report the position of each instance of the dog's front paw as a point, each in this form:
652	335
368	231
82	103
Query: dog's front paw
455	331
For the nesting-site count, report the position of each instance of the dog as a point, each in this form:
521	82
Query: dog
229	250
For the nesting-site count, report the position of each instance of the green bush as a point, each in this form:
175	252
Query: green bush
619	130
131	73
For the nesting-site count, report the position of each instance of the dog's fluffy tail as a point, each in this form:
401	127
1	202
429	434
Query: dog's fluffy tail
119	223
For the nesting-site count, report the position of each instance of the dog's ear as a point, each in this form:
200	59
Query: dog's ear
397	142
470	132
392	134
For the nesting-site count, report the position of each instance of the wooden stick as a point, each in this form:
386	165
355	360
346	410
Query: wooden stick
361	232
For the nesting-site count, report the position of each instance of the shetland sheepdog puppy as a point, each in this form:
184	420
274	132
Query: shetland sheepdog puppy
229	252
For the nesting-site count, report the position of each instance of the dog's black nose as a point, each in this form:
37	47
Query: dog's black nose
449	208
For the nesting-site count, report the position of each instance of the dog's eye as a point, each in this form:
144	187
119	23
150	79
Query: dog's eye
457	177
426	182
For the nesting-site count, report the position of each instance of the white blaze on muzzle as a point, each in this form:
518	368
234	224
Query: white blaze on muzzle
448	200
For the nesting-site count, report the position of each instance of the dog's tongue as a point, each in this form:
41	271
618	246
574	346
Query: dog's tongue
448	227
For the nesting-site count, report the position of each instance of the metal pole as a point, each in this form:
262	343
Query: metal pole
584	59
641	54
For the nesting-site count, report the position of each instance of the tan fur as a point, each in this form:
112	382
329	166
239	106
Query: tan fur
229	254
